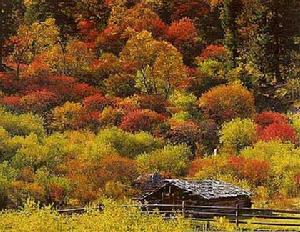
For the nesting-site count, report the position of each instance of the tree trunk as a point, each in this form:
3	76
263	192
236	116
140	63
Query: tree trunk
1	56
277	72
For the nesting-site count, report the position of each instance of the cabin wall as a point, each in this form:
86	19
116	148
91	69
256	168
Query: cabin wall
174	195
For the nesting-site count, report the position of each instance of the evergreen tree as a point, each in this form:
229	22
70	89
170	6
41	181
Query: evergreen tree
230	13
10	14
272	43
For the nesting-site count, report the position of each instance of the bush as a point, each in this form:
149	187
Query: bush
255	171
214	51
185	132
142	120
237	134
67	116
182	31
275	131
7	175
127	144
226	102
295	123
21	124
265	119
284	164
113	218
115	168
183	101
172	160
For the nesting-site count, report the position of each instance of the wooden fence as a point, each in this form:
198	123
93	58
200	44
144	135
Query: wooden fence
237	215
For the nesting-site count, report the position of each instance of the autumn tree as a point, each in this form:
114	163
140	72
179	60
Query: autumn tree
273	125
95	10
276	131
152	102
127	144
171	160
185	132
62	12
183	34
226	102
33	40
159	65
256	171
124	21
206	17
142	120
67	116
115	168
21	124
137	18
284	161
238	134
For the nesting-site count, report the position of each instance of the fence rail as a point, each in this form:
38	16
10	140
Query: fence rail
237	215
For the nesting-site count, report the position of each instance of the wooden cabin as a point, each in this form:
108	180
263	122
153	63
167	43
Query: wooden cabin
192	192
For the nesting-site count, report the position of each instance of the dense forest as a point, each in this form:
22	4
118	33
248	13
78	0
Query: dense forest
94	93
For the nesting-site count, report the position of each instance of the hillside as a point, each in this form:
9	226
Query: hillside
95	93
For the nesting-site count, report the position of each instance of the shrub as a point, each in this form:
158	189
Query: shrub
21	124
226	102
96	102
115	168
39	101
7	175
120	85
209	167
253	170
275	131
182	100
265	119
169	160
284	164
112	218
185	132
213	51
67	116
142	120
238	133
152	102
127	144
182	31
295	123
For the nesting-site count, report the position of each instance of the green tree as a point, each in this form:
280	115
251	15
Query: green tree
237	134
230	13
127	144
272	39
10	14
169	160
22	124
62	11
7	175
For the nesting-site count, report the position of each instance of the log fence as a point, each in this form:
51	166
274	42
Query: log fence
237	215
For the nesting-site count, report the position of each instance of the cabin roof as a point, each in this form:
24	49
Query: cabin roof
206	189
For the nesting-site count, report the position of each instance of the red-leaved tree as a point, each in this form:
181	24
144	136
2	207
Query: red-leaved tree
255	171
278	131
142	120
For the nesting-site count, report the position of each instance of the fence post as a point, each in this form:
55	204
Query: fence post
237	215
183	208
207	226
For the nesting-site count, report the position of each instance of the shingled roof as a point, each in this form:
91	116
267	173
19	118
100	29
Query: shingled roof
206	189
